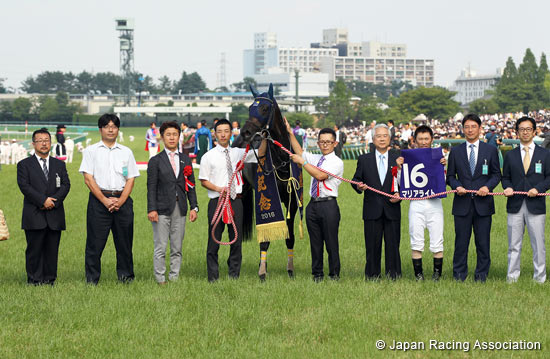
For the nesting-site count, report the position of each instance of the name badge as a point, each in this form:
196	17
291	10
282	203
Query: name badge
485	169
125	171
57	181
538	168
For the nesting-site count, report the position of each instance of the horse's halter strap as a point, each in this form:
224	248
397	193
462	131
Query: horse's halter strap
270	115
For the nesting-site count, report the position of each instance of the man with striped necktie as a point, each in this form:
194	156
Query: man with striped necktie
170	185
44	182
381	215
322	212
473	165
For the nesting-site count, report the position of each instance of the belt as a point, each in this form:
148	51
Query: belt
238	196
322	199
111	193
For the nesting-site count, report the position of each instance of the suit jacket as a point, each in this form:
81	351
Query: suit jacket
162	185
459	174
374	204
36	190
513	175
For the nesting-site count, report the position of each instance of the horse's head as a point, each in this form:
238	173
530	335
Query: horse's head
260	116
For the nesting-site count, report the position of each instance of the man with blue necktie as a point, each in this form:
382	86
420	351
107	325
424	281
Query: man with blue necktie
473	165
381	215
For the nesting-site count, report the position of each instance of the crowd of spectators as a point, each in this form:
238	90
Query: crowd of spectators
495	128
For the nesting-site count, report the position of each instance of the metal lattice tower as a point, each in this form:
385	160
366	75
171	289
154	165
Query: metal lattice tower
125	28
221	74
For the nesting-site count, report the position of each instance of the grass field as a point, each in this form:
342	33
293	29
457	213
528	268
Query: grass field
280	318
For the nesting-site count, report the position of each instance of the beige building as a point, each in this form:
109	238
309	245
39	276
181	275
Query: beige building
379	70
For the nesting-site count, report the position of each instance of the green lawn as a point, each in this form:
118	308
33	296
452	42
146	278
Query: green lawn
280	318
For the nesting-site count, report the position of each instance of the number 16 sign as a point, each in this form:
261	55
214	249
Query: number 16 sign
422	174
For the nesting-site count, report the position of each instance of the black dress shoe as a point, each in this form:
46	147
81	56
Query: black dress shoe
318	279
419	277
436	276
335	277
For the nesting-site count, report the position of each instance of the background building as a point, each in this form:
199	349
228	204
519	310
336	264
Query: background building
469	86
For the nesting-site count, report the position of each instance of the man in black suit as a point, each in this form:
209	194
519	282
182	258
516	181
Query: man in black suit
473	165
170	184
341	139
44	182
381	215
526	169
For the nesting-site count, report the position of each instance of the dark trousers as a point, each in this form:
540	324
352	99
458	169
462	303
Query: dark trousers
482	234
235	251
99	222
390	230
323	220
41	255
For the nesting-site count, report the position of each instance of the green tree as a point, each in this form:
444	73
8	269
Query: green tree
239	113
190	83
84	82
434	102
306	119
48	109
339	109
483	106
2	88
368	109
244	85
21	108
6	111
165	85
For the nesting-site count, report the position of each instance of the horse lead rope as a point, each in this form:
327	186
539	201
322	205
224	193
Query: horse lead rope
224	201
399	197
224	204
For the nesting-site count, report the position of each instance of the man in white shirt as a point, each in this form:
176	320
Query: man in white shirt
322	212
109	171
217	165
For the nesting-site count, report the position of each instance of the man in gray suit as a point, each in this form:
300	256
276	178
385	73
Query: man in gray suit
526	169
170	184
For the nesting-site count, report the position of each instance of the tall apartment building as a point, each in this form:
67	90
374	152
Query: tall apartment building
380	49
469	86
333	37
379	70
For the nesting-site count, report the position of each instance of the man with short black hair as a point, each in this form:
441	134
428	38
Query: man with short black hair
109	170
170	184
427	213
44	182
322	212
217	165
526	169
473	165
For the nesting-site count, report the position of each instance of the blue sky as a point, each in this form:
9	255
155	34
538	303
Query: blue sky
172	36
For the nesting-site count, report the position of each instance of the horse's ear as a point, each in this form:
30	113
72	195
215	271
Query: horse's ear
254	92
270	91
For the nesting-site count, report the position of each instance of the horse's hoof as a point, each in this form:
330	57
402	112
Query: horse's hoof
262	278
291	274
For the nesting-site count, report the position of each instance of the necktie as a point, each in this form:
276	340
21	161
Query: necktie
314	182
233	190
173	163
381	169
45	168
472	159
526	159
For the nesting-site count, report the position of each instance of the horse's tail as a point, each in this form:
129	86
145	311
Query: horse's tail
248	203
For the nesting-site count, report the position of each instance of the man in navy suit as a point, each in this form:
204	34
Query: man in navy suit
44	182
526	169
170	184
381	215
473	165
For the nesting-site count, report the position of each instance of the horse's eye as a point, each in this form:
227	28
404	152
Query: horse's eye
263	109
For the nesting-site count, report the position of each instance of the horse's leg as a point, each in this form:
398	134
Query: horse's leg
291	239
262	271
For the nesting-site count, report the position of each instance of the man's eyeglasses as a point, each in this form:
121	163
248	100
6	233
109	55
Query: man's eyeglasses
525	129
325	143
41	141
110	128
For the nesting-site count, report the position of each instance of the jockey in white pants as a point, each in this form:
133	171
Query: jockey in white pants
424	214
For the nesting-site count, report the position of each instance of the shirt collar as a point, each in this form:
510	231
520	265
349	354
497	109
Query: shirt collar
476	144
40	158
531	147
168	151
378	154
111	148
222	149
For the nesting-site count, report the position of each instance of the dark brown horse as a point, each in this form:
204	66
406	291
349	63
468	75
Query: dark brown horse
265	115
